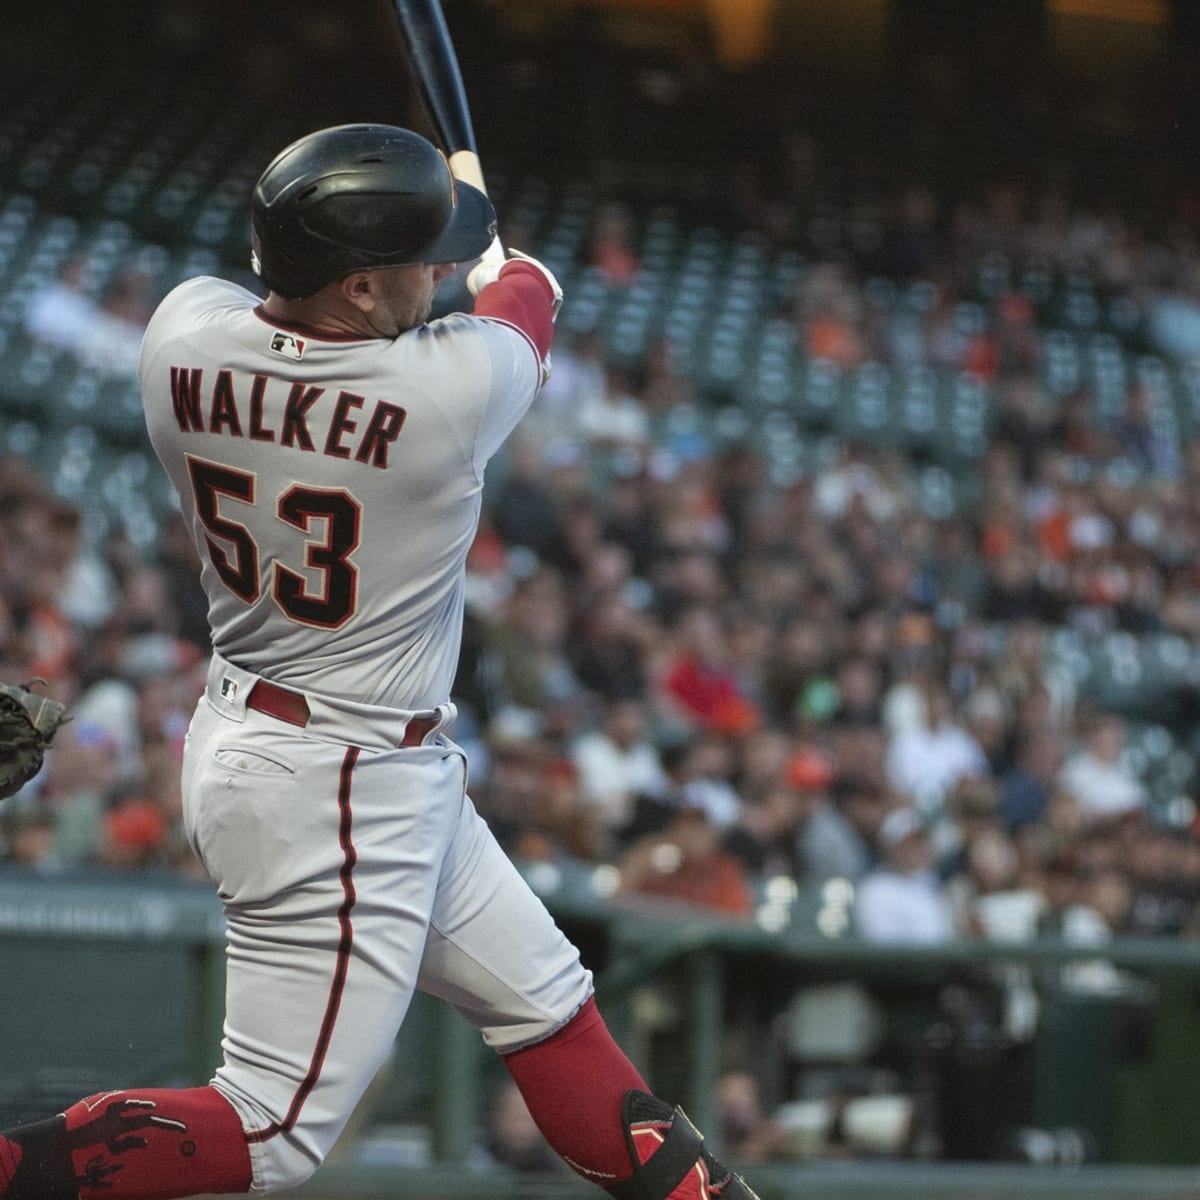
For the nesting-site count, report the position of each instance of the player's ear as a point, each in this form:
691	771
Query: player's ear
358	289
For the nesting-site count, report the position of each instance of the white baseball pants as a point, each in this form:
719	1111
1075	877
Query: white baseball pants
352	873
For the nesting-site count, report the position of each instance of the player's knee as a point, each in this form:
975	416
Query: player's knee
283	1163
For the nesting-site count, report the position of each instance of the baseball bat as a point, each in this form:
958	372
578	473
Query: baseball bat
439	80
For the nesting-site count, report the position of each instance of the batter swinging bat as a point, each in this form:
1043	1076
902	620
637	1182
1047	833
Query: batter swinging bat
439	78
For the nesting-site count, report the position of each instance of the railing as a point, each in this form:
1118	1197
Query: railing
118	982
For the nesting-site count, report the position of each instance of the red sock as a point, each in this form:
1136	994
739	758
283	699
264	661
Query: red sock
10	1159
157	1145
573	1084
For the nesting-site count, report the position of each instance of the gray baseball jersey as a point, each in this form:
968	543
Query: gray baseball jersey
334	485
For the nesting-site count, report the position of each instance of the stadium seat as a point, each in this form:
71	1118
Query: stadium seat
965	418
1107	374
771	374
1187	397
820	392
865	414
994	276
1079	306
1062	369
917	409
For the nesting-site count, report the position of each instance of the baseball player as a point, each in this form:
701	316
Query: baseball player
328	445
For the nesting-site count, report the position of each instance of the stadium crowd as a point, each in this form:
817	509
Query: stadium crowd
682	666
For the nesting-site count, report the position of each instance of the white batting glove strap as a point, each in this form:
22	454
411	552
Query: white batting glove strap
547	274
488	269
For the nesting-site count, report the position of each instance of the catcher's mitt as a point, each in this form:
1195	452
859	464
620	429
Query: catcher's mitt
27	726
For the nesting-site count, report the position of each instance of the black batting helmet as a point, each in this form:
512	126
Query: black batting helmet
356	197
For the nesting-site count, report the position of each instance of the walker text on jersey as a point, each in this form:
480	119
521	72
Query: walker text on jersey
310	417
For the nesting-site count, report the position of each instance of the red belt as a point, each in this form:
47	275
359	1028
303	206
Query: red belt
286	705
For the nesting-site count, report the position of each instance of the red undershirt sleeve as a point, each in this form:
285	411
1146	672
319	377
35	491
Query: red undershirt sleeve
521	297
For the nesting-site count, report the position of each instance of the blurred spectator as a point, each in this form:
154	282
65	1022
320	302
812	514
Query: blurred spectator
613	638
968	811
665	386
87	594
698	681
579	378
511	1139
986	721
748	1134
901	899
828	845
529	646
610	245
762	756
684	862
618	765
865	806
523	510
701	769
989	897
1100	912
831	316
62	314
136	834
179	562
1097	773
105	336
1164	898
1137	437
764	836
1026	787
859	692
1035	692
27	830
854	482
615	420
81	774
927	758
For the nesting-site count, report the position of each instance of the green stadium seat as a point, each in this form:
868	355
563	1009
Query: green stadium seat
118	412
21	437
994	276
1037	283
1079	307
821	392
938	493
1187	397
1107	374
965	418
36	375
917	406
771	375
1062	369
866	414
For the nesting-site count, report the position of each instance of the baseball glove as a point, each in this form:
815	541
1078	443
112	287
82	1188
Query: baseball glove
27	726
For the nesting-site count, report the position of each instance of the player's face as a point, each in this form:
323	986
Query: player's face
403	296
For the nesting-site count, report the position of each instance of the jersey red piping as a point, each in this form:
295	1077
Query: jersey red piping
342	964
308	331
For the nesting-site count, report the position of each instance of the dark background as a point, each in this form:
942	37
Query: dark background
638	97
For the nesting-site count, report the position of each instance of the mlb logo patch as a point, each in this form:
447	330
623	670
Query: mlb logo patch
229	689
287	345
